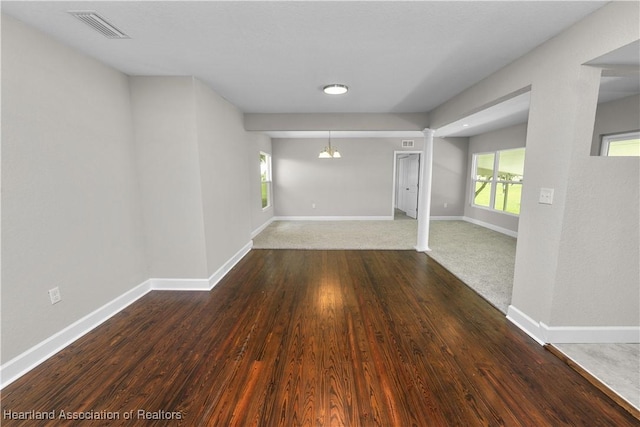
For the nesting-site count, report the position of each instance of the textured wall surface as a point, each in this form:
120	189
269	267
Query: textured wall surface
552	239
71	215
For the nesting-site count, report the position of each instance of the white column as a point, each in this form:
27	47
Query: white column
424	197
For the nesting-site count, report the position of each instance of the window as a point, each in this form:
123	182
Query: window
265	178
621	144
497	180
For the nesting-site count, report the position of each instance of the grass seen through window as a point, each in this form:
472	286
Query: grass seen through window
265	178
498	180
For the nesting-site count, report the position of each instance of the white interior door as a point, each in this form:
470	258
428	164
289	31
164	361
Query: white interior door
400	184
410	188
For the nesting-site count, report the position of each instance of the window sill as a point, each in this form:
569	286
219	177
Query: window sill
485	208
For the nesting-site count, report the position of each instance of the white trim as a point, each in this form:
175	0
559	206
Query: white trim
395	171
491	226
179	284
333	218
269	180
23	363
227	266
526	323
369	218
260	229
493	181
424	192
606	140
495	211
543	333
201	284
299	134
591	334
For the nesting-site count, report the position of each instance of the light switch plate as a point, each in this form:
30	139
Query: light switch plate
54	295
546	196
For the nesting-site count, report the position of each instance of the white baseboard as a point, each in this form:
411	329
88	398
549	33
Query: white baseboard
526	323
179	284
201	284
591	334
23	363
491	226
447	218
227	266
260	229
20	365
334	218
543	333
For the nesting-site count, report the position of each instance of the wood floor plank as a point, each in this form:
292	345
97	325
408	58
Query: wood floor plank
313	338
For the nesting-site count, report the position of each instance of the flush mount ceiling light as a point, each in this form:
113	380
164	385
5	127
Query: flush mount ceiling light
335	89
329	152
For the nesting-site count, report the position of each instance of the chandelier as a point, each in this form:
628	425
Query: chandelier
329	152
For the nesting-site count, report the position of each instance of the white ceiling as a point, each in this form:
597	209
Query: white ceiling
274	57
510	112
620	78
620	74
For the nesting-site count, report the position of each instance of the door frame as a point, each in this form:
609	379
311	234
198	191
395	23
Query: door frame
396	153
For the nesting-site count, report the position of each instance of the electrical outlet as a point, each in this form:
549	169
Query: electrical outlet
54	294
313	205
446	205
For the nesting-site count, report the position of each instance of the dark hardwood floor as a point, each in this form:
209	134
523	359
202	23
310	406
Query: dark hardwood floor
313	338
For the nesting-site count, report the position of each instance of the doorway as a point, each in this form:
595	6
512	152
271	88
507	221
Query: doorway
406	184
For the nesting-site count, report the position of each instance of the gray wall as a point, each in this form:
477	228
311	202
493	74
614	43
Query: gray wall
607	237
109	181
167	152
621	115
195	175
257	143
71	213
359	184
511	137
553	239
338	121
448	183
225	174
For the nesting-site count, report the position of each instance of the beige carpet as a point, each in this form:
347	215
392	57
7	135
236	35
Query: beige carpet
483	259
379	235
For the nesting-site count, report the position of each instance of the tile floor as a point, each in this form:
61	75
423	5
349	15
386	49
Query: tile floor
616	365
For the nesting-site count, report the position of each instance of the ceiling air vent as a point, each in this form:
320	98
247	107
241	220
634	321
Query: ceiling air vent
99	24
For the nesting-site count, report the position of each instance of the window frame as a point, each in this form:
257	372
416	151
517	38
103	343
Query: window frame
606	140
493	181
475	180
268	179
